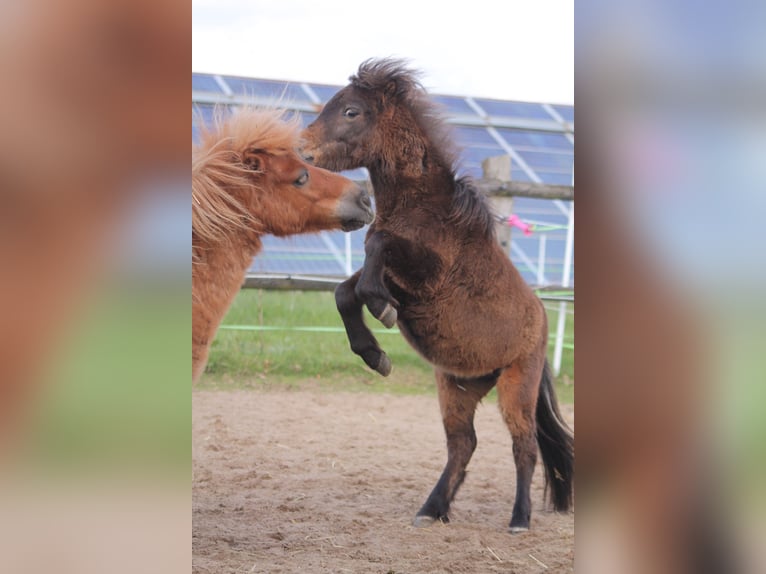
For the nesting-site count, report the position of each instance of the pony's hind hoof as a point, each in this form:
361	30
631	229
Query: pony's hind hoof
518	529
388	316
423	521
384	365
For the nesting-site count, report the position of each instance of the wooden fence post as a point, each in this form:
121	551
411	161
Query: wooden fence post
498	168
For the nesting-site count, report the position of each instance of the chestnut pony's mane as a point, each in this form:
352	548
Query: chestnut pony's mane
217	169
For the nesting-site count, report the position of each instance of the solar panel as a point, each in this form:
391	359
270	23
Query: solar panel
205	83
309	254
204	113
513	109
529	139
534	135
478	154
566	112
475	137
454	105
267	89
324	92
548	160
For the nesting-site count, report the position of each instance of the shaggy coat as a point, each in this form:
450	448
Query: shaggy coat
434	268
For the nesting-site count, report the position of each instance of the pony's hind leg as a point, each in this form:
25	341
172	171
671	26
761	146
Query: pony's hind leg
458	399
362	341
517	391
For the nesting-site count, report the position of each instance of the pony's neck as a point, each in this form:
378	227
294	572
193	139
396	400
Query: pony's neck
396	189
410	167
233	256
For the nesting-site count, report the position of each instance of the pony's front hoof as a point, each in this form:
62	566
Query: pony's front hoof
423	521
388	316
518	529
384	365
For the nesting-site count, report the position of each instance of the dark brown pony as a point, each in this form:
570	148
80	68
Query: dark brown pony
248	180
434	267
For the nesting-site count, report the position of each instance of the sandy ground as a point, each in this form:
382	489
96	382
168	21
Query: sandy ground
304	481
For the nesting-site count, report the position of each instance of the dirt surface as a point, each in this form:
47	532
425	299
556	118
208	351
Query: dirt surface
304	481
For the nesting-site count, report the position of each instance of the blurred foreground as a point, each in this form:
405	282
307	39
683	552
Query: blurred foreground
671	276
94	228
671	273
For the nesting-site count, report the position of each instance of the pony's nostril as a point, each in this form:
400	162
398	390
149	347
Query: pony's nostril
364	199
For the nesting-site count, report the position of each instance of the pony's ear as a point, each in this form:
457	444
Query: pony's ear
390	90
254	159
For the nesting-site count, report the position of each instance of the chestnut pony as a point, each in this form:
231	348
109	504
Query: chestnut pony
248	180
433	267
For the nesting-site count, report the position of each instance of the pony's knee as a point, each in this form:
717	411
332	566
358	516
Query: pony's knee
345	298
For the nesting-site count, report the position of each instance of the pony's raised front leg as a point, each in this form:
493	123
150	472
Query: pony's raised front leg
370	289
457	399
404	261
362	341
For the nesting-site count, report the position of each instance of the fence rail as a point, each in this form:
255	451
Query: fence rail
286	282
499	188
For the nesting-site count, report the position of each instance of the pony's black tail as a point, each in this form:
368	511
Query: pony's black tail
556	442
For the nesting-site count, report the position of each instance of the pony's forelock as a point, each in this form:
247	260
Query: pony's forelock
377	74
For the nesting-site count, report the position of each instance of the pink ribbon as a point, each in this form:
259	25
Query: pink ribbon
514	221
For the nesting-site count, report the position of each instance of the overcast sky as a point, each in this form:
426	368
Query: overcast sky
504	49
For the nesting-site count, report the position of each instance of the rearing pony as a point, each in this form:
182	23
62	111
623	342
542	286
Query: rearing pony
248	180
433	267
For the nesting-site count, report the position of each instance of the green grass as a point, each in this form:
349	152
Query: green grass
118	394
285	357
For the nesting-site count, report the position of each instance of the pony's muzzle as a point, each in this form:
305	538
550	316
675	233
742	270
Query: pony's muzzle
364	200
355	209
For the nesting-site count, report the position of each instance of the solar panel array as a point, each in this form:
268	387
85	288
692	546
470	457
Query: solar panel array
538	137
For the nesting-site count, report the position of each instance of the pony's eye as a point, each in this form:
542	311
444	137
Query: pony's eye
351	112
302	179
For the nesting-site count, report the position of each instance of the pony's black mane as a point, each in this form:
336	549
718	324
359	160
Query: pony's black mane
471	208
393	78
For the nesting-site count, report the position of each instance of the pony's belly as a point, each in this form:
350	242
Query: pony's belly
461	351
